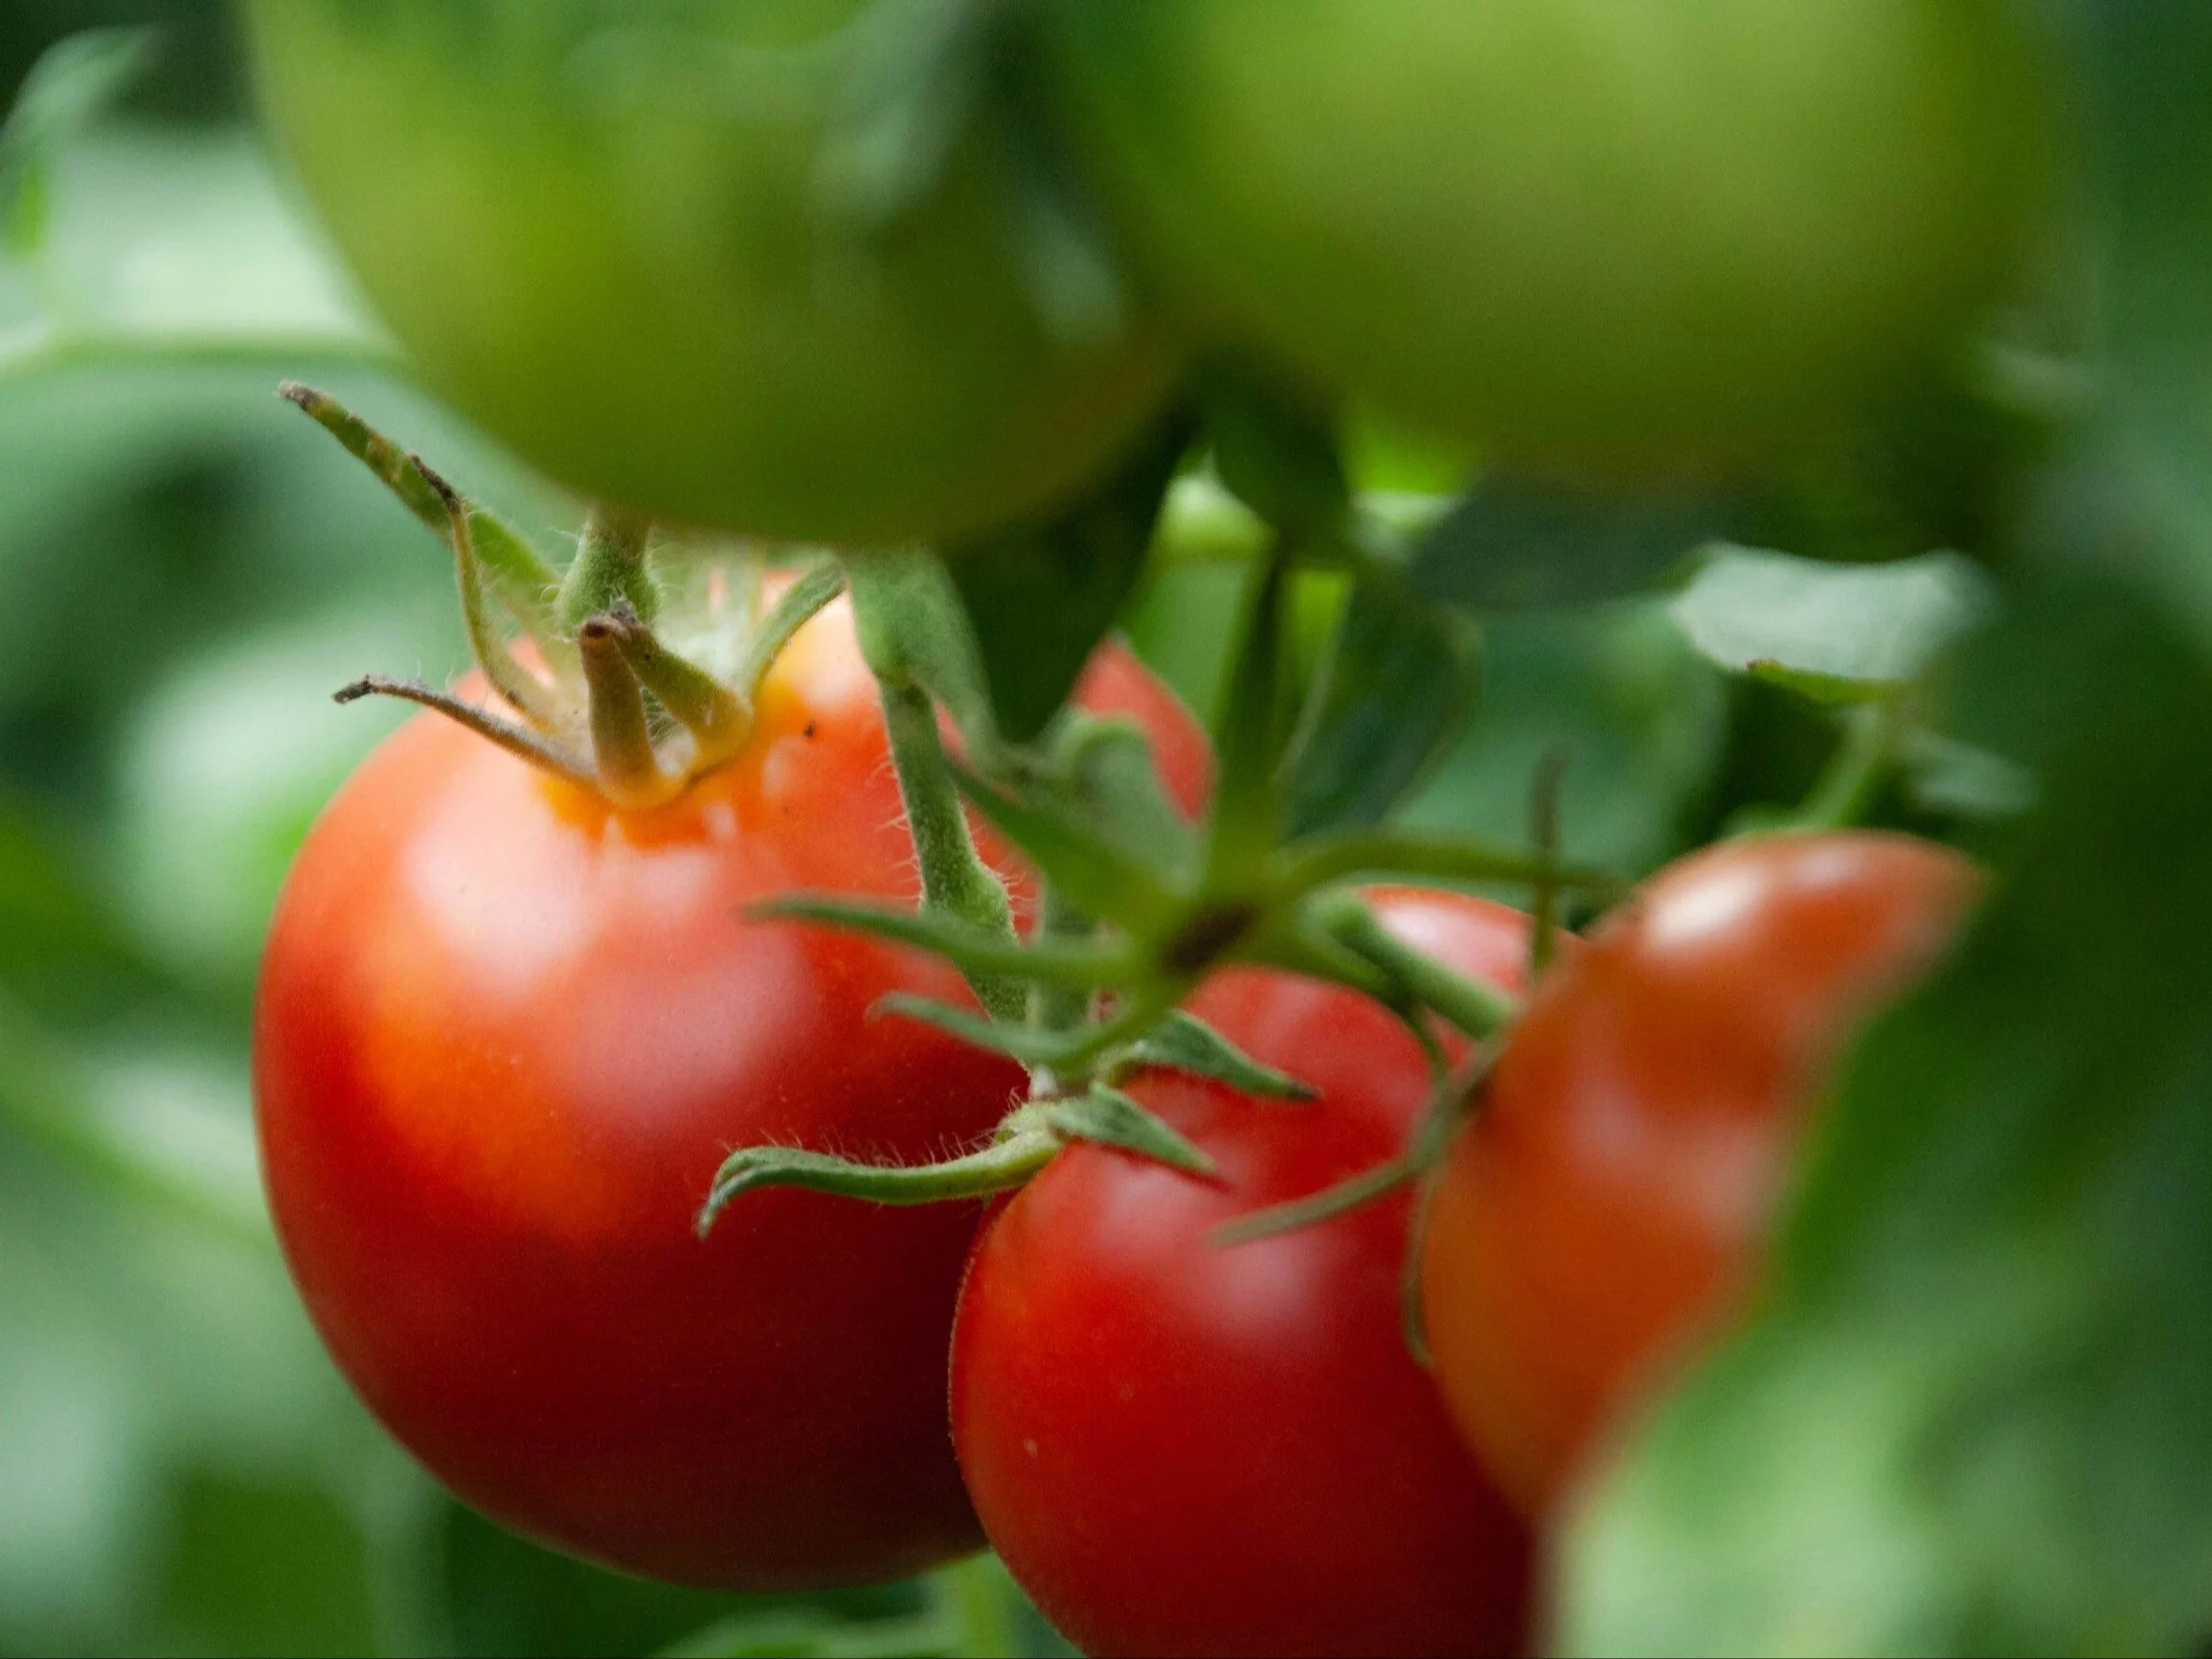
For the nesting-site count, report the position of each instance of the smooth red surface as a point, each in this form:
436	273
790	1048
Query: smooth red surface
505	1035
1608	1203
1181	1450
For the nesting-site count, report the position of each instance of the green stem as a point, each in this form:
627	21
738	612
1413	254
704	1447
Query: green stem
609	573
1544	831
1059	1007
1854	775
956	882
508	678
999	1167
1319	860
717	718
1479	1010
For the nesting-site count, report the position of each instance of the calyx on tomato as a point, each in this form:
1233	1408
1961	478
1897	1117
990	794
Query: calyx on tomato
582	695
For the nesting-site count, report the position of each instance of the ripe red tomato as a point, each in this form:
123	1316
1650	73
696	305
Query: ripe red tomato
505	1036
1606	1202
1184	1449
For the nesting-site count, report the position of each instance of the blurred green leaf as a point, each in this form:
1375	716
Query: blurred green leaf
1399	683
1835	632
511	1596
1974	1414
2145	499
1042	596
1639	717
75	82
1513	543
265	1565
1276	451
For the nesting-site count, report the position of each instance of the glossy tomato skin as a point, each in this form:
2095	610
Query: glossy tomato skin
505	1036
1606	1203
1180	1449
1624	234
598	228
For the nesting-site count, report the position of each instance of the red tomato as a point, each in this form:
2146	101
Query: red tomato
1608	1201
506	1034
1181	1450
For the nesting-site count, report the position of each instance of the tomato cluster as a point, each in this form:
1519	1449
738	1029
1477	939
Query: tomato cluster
505	1030
521	1000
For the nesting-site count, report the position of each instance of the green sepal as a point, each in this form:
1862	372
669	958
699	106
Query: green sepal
525	582
1106	1116
1027	1043
1095	875
812	592
1002	1165
973	949
1183	1041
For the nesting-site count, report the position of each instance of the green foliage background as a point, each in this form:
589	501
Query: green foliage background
1975	1409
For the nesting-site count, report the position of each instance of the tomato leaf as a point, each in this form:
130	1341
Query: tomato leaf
1514	543
1110	1117
1185	1043
1041	596
1837	633
1975	1412
1277	452
75	82
1399	683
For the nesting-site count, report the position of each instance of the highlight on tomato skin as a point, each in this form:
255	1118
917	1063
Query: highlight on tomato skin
504	1035
1184	1449
1606	1207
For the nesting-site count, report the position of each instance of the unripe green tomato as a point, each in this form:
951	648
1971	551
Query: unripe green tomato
1629	233
596	226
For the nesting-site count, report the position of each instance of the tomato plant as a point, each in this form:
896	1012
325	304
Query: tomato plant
1589	231
505	1032
597	228
1179	1449
1606	1203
